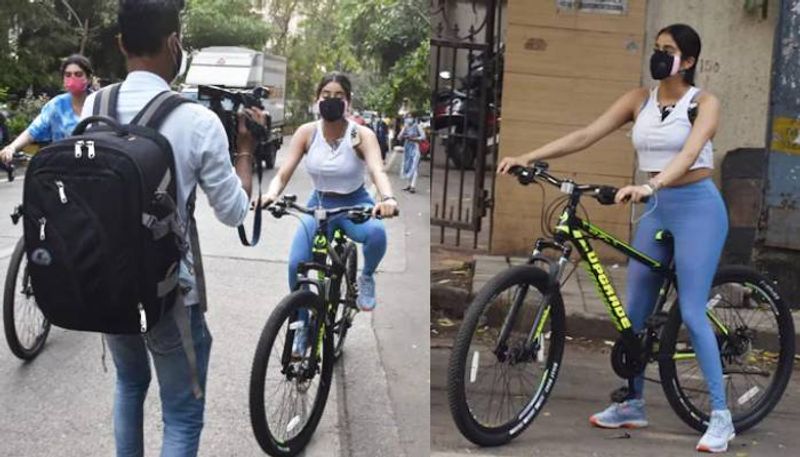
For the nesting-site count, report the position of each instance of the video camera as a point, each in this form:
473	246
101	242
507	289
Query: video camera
226	103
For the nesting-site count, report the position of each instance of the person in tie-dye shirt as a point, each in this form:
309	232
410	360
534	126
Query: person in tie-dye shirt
60	115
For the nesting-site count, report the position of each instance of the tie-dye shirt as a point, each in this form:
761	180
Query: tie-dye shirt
56	121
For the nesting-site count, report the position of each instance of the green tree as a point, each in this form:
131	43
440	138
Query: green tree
223	23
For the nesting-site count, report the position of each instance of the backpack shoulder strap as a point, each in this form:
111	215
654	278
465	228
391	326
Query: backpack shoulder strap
105	102
157	109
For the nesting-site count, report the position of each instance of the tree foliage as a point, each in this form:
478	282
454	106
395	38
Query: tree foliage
43	32
223	23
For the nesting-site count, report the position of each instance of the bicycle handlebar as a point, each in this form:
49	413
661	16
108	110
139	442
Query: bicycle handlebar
358	214
605	195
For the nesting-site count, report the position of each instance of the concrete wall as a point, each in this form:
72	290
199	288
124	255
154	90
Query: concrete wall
735	62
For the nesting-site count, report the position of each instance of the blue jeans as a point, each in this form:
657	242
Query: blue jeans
182	413
371	234
695	215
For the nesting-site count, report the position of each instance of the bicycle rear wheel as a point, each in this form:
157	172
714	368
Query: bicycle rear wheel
756	347
288	392
506	356
25	326
345	310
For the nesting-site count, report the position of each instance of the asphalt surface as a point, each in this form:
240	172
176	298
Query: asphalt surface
582	388
61	403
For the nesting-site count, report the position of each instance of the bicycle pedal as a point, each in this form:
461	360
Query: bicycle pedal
656	320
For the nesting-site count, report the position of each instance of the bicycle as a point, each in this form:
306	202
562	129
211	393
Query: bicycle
317	308
25	326
514	330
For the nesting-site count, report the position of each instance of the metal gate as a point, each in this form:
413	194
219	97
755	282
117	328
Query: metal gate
466	74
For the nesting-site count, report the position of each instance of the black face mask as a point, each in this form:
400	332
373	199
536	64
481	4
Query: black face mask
661	64
331	109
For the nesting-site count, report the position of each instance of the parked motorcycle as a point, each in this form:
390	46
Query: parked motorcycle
458	115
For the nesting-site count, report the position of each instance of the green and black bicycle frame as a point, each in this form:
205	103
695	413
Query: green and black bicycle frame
632	351
325	279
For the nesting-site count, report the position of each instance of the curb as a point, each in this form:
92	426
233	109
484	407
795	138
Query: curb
365	408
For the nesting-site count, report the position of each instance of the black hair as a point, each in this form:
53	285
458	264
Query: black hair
143	24
336	77
688	42
80	61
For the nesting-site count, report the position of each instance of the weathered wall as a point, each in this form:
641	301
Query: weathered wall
735	62
563	69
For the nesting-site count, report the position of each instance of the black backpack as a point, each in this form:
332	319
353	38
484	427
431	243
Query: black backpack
102	233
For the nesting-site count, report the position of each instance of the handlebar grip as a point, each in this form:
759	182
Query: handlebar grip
524	175
606	194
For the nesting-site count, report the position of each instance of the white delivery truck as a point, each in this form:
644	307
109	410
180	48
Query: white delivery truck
241	70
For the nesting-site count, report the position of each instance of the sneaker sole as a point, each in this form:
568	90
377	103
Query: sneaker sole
629	425
709	450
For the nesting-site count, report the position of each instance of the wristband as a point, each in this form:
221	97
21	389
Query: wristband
649	187
385	199
654	184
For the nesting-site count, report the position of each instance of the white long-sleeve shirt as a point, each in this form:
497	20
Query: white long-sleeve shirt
200	147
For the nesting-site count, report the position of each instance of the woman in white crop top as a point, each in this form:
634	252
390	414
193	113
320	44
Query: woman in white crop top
338	154
674	124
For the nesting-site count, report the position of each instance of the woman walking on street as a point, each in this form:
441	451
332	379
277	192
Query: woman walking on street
412	134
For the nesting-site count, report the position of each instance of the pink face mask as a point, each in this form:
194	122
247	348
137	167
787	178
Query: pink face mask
75	86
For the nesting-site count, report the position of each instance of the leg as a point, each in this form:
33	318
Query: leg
301	247
698	247
133	378
182	412
372	236
642	284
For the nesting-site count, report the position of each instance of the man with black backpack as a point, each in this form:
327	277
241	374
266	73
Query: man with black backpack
179	342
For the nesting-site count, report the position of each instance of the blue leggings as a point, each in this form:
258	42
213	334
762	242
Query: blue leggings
371	234
695	215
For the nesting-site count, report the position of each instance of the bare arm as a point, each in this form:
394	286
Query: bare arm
295	152
618	114
20	142
371	153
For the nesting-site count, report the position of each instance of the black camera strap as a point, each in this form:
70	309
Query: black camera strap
257	219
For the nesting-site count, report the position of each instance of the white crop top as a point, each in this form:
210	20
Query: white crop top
340	169
657	142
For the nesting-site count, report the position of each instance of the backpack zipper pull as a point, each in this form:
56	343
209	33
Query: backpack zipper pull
61	192
142	319
90	145
79	149
42	223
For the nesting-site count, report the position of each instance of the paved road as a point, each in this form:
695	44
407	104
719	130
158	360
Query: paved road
60	404
563	430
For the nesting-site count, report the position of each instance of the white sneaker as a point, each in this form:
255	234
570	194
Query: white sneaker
719	432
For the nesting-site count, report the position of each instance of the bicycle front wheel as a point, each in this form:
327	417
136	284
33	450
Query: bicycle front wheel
506	356
291	375
345	310
755	333
25	326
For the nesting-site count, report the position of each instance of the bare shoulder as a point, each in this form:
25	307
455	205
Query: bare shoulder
705	97
638	96
364	131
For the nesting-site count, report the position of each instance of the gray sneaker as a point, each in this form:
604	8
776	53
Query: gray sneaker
366	293
719	432
628	414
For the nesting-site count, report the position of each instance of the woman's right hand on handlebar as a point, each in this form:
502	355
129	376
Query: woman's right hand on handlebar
265	201
509	162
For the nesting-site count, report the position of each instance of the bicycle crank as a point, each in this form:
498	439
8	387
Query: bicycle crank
625	364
